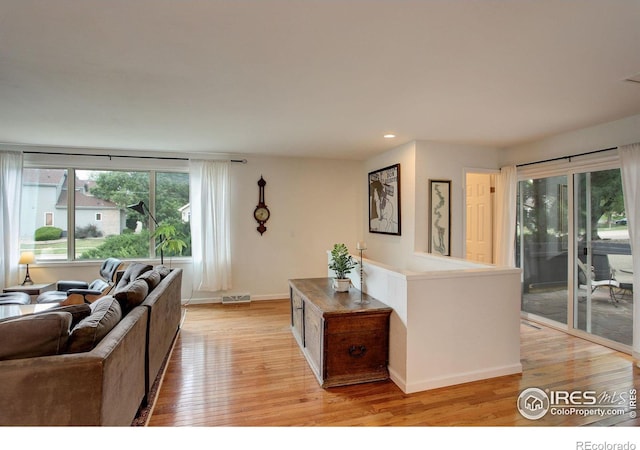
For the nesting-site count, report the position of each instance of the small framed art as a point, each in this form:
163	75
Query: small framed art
440	217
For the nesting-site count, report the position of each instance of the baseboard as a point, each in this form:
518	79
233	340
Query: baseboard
398	380
218	299
458	378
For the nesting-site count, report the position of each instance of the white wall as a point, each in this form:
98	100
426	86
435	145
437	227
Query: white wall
314	203
392	249
421	161
438	333
448	162
611	134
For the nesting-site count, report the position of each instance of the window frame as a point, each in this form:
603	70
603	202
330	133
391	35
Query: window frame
90	162
599	162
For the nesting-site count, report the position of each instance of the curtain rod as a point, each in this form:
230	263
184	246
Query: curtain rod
243	161
567	157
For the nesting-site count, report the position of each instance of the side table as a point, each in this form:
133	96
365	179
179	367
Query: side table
7	311
31	289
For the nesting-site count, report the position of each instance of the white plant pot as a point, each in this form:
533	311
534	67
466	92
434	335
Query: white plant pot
341	284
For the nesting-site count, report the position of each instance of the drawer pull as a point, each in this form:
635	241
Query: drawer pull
357	351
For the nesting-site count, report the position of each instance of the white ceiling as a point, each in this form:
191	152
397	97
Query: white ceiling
320	78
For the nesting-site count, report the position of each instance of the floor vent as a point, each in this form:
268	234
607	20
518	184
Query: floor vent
241	298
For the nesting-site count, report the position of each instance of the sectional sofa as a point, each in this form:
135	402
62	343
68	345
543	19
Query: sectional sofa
94	364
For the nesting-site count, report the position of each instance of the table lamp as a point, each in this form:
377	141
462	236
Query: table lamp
361	246
27	258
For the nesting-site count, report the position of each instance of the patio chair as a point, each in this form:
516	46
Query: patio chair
76	292
624	277
601	276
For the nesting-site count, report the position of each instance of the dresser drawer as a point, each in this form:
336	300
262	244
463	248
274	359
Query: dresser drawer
355	323
356	356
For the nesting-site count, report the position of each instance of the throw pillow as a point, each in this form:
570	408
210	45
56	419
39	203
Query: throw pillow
105	315
132	294
152	277
34	335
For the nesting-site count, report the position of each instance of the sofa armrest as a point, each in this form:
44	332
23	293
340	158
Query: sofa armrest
65	285
165	315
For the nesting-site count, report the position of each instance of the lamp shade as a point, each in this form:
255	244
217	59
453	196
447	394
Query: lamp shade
27	258
138	207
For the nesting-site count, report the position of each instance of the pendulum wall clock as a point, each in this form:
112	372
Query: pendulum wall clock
261	213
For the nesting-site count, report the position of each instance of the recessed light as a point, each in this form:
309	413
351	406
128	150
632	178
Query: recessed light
389	136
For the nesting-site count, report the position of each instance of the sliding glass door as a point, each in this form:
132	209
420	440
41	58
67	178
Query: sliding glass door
542	246
574	251
603	270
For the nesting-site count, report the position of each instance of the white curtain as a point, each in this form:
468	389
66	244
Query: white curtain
10	195
630	168
210	224
506	190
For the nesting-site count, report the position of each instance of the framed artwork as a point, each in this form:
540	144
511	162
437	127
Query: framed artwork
440	217
384	200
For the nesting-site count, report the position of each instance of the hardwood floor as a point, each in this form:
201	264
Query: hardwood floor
238	365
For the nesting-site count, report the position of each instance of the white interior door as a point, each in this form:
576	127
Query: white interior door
479	227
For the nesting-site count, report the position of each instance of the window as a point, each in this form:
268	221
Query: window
172	205
108	192
102	226
44	203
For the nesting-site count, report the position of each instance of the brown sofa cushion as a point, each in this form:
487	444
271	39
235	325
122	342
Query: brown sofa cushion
164	270
133	271
78	312
152	277
34	335
132	294
105	314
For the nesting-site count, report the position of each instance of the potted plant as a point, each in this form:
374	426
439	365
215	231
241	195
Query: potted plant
167	235
341	263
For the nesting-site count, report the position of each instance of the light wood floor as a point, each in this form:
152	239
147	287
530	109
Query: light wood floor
239	365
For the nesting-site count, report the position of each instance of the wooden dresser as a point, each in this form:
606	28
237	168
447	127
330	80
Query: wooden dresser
344	341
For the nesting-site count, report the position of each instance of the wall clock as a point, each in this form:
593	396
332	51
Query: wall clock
261	213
